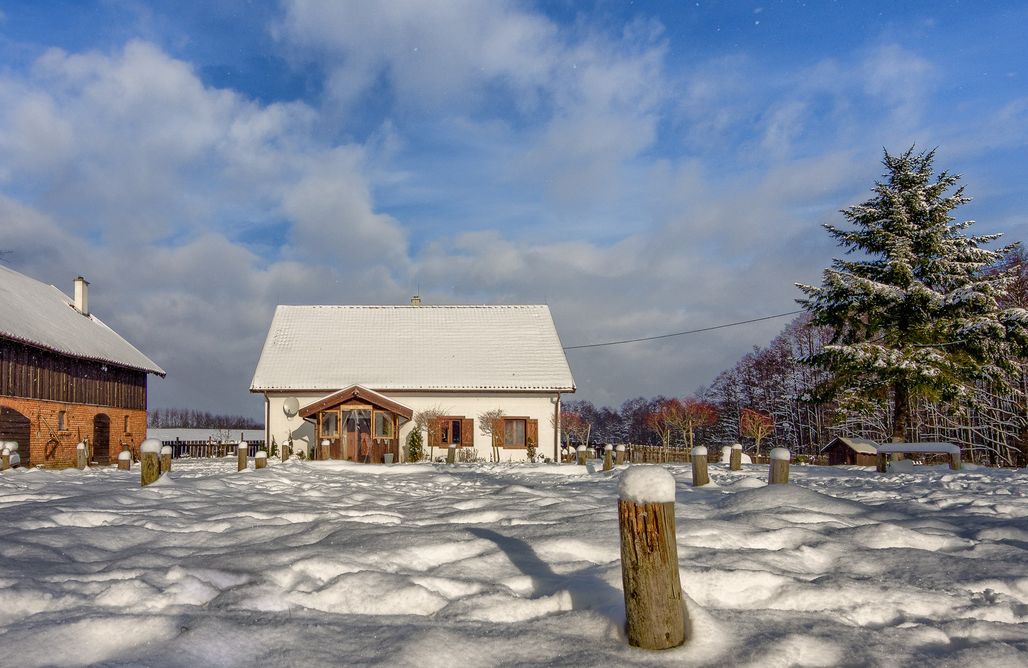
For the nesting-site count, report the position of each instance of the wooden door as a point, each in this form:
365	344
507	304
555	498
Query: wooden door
102	438
16	427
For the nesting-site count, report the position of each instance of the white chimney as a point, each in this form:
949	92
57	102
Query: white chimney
415	300
82	295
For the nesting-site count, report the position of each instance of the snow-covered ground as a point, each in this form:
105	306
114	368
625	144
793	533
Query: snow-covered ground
481	565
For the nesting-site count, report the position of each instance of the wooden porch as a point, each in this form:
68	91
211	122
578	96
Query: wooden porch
357	424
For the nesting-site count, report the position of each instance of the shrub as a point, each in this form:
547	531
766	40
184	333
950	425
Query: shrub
415	446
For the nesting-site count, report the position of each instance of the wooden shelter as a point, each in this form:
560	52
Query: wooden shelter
843	450
359	424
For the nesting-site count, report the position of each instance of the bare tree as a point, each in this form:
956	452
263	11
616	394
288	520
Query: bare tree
428	421
490	423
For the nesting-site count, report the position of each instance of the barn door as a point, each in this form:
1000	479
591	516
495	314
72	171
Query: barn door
15	427
102	438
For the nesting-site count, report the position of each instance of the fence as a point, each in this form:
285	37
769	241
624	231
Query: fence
209	449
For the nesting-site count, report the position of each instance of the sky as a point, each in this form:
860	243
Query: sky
641	167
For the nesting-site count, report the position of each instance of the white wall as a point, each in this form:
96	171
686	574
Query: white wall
535	406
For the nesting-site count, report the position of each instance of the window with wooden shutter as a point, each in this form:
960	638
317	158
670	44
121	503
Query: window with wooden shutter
514	432
467	433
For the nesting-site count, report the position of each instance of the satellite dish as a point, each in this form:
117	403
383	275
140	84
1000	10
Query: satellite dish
291	406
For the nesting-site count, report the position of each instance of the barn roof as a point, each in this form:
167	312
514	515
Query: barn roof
40	315
499	348
861	445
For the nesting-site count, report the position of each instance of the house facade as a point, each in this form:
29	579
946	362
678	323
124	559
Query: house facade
65	376
355	378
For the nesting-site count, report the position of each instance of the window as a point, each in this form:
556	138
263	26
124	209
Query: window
514	433
450	430
61	418
383	424
329	424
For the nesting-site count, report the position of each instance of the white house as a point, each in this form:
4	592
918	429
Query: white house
357	375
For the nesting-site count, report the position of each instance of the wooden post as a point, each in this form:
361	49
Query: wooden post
324	451
260	460
149	464
80	456
735	458
608	457
165	459
699	467
241	456
882	462
619	455
779	472
582	455
649	558
954	461
287	450
5	459
124	460
451	453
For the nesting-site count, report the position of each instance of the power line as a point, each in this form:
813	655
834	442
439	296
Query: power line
691	331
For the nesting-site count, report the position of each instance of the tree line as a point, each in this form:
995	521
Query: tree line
189	418
918	334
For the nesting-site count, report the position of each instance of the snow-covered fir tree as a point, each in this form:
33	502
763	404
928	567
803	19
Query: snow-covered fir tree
913	310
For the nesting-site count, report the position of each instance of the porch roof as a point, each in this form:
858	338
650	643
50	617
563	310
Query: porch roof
357	392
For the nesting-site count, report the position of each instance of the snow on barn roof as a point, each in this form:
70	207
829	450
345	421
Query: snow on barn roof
859	445
40	315
512	348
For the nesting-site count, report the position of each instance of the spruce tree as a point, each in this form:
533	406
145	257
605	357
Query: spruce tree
913	310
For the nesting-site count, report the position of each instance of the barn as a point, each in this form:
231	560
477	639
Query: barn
65	376
853	451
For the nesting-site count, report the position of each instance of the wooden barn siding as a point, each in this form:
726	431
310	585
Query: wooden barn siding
34	373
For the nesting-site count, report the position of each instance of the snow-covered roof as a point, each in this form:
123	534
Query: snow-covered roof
184	434
40	315
505	348
860	445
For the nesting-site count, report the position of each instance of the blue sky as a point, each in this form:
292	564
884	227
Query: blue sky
641	167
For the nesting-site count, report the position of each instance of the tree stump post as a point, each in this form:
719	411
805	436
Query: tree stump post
779	472
882	462
241	455
5	459
582	455
287	450
124	460
80	456
260	460
451	453
700	477
619	455
735	458
954	462
149	462
649	559
165	459
324	451
608	457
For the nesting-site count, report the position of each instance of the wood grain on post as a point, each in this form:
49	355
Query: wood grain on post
735	458
149	462
582	455
324	451
80	456
882	462
451	453
241	455
124	460
608	457
165	459
5	459
649	559
779	472
699	467
619	455
954	462
260	460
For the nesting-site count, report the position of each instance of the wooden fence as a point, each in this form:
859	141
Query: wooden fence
209	449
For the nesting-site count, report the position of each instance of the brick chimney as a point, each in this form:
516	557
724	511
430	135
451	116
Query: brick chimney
82	295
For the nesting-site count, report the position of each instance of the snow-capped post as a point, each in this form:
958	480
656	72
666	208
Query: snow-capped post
649	558
608	457
619	455
451	453
5	458
582	455
735	458
954	461
124	460
779	472
149	461
260	460
323	451
165	459
241	455
80	456
699	466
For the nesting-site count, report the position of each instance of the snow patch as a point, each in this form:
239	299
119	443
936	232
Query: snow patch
647	484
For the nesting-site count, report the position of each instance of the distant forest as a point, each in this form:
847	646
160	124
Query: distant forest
189	418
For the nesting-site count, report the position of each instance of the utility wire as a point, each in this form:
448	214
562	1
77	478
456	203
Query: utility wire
691	331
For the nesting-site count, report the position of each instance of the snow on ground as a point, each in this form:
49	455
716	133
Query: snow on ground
479	565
